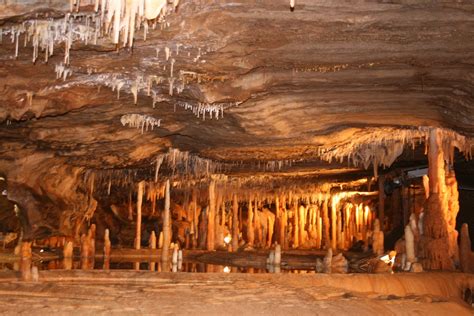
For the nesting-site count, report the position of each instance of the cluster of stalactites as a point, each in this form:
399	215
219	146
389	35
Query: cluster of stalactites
120	18
123	17
44	35
140	121
381	147
187	164
212	110
449	141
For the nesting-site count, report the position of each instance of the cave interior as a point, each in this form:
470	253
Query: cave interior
247	136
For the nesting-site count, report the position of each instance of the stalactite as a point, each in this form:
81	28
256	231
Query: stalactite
140	121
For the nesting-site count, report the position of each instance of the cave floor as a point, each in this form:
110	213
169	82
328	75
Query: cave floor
98	292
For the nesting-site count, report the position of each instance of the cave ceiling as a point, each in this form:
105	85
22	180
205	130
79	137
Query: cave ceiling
277	87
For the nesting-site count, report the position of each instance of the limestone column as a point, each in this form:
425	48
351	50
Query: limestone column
211	216
284	223
410	245
270	225
250	228
166	224
130	207
381	202
138	232
279	221
378	239
26	258
439	246
107	246
235	223
219	219
325	213
340	239
334	207
296	225
68	255
465	253
302	224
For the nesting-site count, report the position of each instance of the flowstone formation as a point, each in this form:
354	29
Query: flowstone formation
191	121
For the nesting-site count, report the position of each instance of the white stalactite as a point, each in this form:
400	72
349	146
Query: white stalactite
141	121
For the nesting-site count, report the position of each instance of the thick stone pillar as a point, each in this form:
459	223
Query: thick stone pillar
439	246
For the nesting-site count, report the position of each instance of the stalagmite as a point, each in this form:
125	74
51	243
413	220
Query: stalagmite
409	246
381	182
277	260
68	249
91	237
152	241
25	264
426	186
174	258
270	226
302	225
68	254
138	232
320	233
86	254
334	209
378	239
250	227
466	256
327	262
235	223
160	241
107	249
130	206
325	211
107	244
279	221
211	215
166	224
296	226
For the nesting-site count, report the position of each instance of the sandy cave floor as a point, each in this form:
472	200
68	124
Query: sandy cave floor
138	293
